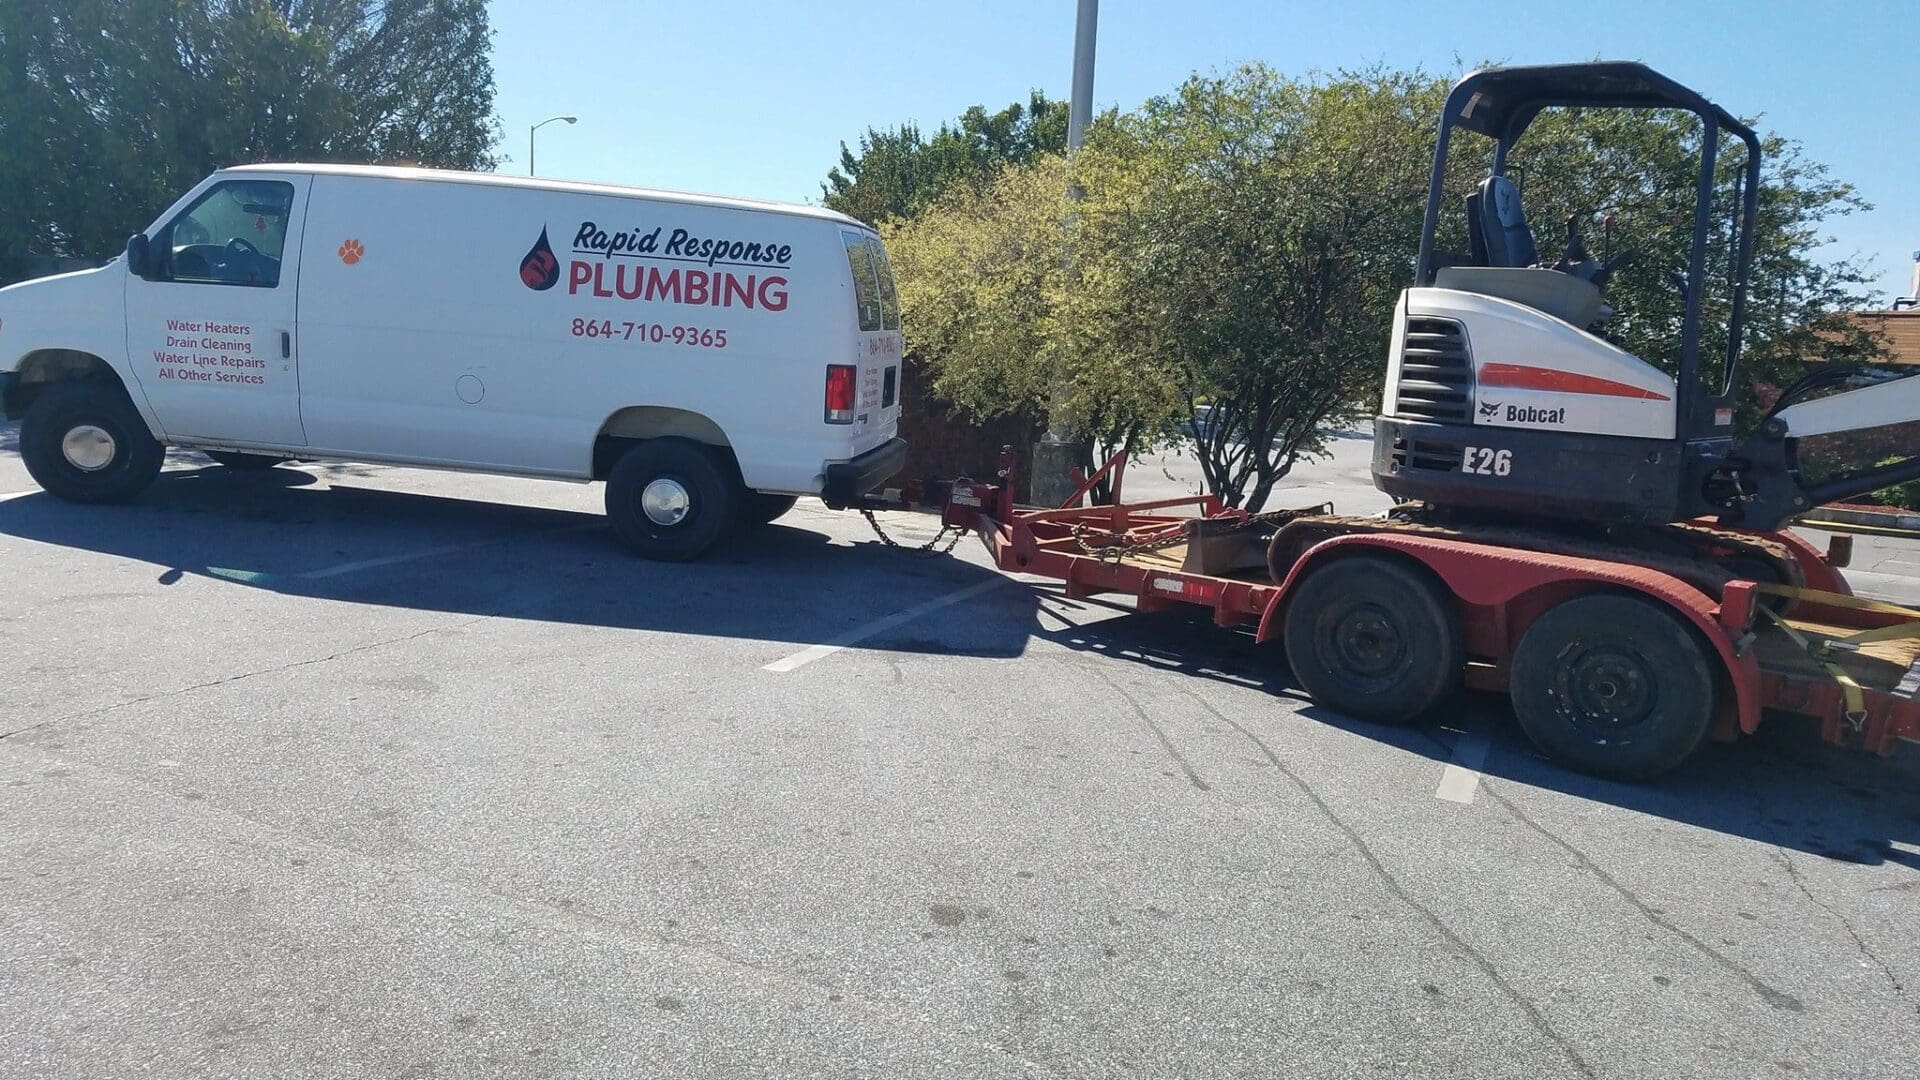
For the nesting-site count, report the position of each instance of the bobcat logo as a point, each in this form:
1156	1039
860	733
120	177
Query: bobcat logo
1489	409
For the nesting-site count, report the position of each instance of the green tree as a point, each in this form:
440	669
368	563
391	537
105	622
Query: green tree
898	171
1253	231
109	110
1003	311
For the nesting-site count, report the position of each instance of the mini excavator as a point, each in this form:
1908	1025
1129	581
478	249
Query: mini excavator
1508	407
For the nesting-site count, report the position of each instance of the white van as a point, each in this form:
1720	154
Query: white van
709	358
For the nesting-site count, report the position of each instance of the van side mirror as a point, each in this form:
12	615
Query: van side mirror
139	254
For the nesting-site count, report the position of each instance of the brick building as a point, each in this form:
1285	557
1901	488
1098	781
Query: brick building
1899	326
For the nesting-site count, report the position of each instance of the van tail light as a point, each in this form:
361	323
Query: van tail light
840	393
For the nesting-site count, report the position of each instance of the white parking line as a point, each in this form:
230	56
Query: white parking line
1462	777
16	494
860	633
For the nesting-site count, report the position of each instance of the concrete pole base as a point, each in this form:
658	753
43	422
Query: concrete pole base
1052	473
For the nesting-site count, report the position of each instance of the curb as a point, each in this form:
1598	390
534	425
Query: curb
1880	516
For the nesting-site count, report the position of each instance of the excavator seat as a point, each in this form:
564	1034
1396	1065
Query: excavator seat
1506	262
1503	224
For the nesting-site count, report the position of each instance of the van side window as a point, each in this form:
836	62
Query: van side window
232	235
866	280
889	299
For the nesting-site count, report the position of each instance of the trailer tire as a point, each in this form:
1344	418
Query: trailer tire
1374	638
243	462
1613	685
762	508
83	442
671	499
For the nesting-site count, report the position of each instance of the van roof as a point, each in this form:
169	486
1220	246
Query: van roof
393	172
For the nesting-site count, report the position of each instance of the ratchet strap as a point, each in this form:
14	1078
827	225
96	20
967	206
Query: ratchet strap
1821	647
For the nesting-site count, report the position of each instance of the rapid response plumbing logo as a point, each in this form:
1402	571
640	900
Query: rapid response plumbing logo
672	267
540	271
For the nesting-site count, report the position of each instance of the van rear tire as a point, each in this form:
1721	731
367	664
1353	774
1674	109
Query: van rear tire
671	499
83	442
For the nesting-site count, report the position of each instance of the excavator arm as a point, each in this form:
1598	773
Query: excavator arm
1772	489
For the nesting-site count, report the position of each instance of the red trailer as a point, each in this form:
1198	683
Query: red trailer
1619	663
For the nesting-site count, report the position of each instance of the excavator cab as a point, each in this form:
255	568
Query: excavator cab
1504	391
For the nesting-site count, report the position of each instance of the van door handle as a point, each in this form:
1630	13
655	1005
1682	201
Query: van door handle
286	345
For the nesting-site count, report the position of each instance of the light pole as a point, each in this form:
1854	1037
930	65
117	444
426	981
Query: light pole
1058	452
1080	107
537	127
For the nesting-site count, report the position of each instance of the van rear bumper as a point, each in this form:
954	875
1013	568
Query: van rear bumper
848	480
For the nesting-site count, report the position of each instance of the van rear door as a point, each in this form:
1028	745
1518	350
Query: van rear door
880	343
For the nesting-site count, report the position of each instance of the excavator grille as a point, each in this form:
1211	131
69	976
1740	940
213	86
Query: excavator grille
1436	372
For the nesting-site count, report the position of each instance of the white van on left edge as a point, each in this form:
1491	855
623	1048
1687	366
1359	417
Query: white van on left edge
711	359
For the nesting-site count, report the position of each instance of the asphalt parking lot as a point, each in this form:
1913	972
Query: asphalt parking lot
358	771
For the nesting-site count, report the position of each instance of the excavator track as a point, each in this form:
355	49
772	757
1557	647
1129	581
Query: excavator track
1704	557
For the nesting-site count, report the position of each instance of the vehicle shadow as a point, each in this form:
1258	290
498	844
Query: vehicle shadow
284	531
1780	786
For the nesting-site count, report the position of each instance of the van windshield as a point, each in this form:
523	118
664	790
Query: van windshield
866	279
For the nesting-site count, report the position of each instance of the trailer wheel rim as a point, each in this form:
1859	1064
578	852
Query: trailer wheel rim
1366	642
88	447
1609	691
665	501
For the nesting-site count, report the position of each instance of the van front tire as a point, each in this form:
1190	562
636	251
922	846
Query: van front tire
671	499
83	442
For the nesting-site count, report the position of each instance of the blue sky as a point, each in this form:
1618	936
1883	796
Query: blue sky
754	99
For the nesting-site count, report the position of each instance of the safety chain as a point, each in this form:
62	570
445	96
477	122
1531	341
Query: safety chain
1119	547
950	533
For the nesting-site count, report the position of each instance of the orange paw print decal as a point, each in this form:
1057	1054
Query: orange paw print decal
351	251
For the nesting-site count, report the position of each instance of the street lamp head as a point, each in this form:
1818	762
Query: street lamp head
536	127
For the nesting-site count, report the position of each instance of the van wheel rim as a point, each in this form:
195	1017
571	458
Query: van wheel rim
89	447
665	502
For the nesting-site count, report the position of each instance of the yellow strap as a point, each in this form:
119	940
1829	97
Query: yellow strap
1834	599
1895	632
1883	633
1850	690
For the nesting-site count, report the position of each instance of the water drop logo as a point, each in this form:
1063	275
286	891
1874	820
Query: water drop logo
539	271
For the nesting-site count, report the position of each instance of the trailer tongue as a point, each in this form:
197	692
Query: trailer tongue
1615	666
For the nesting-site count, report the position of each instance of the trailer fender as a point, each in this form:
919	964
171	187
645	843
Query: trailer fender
1502	590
